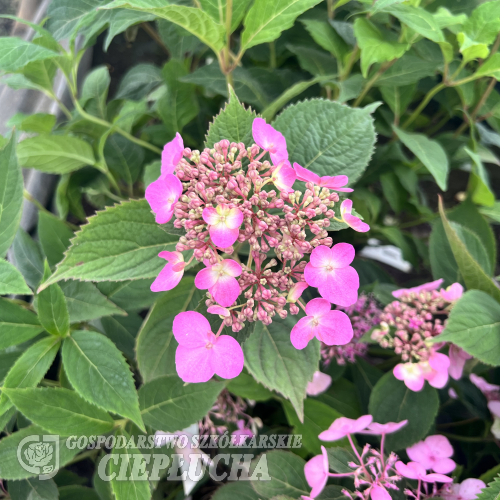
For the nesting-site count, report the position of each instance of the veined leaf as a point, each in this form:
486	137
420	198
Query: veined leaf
15	53
27	256
12	281
17	324
54	236
492	492
53	310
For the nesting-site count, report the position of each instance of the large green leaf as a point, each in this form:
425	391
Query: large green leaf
100	374
472	273
30	368
16	53
34	489
54	235
392	401
53	310
429	152
327	137
273	361
376	46
192	19
287	476
474	325
60	411
11	280
491	67
156	344
11	195
169	405
119	243
325	35
17	324
407	70
122	331
55	154
233	123
266	20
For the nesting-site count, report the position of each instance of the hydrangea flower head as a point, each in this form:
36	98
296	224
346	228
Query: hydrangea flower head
201	354
433	453
331	327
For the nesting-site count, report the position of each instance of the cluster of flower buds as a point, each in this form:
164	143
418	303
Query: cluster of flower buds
231	195
409	324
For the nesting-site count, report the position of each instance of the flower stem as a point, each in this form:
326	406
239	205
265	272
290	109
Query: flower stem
365	470
423	104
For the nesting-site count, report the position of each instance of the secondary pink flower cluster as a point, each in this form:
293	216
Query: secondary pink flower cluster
374	473
230	195
408	324
492	394
364	315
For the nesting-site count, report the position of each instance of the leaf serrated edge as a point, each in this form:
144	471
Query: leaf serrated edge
486	493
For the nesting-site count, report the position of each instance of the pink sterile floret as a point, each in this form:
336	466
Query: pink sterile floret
378	492
388	428
316	472
221	311
171	155
220	280
433	453
343	426
458	357
331	327
351	220
162	195
336	183
283	177
413	470
482	385
466	490
269	139
426	287
320	383
296	291
224	224
330	272
434	370
171	274
200	353
452	293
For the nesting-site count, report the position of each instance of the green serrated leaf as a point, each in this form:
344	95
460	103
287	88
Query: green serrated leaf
100	374
17	324
11	195
54	236
53	310
60	411
12	281
327	137
120	243
16	53
492	492
34	489
41	123
139	81
168	404
273	361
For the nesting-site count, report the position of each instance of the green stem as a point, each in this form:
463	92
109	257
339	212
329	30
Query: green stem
228	68
466	439
272	58
424	103
372	82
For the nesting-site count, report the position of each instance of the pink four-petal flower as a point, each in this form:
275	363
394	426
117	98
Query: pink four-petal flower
413	470
335	183
220	280
331	327
433	453
269	139
200	353
330	272
351	220
223	224
171	155
162	195
316	471
171	274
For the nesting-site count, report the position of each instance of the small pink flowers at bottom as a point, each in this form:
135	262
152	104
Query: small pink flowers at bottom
269	139
466	490
331	327
329	271
316	472
171	274
414	470
320	383
201	354
223	224
344	426
220	280
433	453
351	220
162	195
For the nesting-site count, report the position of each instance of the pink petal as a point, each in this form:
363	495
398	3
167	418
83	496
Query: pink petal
439	445
342	254
470	488
221	311
387	428
161	195
269	139
171	155
356	223
302	333
234	218
314	276
458	357
433	285
494	407
318	307
482	385
340	286
206	278
172	257
453	292
334	182
444	465
361	423
296	291
194	365
167	279
316	476
231	267
228	357
222	236
320	383
334	328
420	453
379	493
437	379
332	435
191	329
284	177
306	175
226	290
321	256
412	471
437	478
345	207
439	362
411	374
210	216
